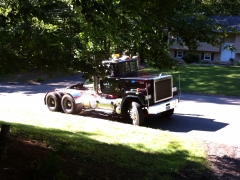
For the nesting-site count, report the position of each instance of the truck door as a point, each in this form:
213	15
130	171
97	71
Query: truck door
112	83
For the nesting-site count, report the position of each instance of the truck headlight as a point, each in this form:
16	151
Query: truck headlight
174	89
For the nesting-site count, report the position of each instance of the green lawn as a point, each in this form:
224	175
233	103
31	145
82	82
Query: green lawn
215	80
110	149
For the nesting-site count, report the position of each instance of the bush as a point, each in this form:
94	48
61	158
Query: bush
190	58
39	79
231	61
238	63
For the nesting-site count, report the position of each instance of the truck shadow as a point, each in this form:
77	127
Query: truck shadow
105	116
183	123
177	123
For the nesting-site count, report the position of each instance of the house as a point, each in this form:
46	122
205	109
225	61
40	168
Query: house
211	53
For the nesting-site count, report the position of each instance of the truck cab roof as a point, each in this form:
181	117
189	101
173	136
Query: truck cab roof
122	67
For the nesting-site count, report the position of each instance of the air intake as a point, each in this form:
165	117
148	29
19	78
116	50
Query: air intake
163	89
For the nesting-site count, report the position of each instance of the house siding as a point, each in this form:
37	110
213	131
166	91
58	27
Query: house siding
207	47
217	57
237	57
202	47
231	38
237	44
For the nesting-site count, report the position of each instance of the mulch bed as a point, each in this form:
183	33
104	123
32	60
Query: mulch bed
27	159
224	160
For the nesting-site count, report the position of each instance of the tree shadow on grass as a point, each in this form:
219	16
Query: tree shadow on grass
79	155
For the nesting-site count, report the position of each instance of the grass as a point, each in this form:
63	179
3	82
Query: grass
142	153
212	80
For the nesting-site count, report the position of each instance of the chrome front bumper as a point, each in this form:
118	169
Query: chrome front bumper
163	106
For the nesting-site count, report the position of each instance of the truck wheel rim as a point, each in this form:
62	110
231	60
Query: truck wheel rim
133	114
51	102
67	105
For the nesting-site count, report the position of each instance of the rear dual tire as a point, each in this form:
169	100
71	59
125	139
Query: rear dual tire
69	106
55	102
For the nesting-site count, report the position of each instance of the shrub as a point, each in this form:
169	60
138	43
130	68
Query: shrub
190	58
39	79
238	63
231	61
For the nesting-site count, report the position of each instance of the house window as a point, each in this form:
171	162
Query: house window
178	54
207	56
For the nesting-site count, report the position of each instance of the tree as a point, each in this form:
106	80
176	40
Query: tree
79	34
219	7
37	34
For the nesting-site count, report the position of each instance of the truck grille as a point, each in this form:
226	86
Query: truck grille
162	89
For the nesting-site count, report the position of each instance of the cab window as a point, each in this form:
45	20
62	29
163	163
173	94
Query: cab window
134	66
123	68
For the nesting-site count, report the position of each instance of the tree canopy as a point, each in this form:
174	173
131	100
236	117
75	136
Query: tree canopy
78	34
219	7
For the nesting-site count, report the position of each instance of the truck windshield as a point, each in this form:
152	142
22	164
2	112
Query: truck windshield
121	68
124	68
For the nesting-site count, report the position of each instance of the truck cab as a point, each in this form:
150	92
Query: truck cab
116	70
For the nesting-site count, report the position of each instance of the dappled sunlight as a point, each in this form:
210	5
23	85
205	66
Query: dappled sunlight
202	79
27	90
137	159
40	88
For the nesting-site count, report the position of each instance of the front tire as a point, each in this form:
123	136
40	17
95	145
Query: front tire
167	113
136	114
69	106
53	102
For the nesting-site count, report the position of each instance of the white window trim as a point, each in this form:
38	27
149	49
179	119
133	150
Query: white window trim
207	58
178	54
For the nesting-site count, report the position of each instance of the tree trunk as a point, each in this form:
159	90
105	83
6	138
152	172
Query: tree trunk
5	130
